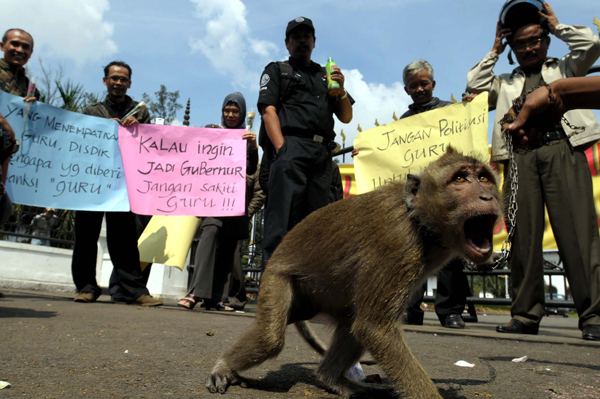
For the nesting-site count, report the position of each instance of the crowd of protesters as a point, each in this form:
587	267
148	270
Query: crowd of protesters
296	174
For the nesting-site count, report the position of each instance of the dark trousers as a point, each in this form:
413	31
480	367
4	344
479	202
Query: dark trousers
115	289
558	176
5	209
451	295
121	239
299	183
213	263
236	281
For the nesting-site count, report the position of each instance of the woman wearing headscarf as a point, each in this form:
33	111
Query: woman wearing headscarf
220	235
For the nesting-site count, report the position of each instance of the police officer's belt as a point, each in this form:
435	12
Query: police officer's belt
307	134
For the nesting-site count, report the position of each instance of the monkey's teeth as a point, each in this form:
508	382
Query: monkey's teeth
482	250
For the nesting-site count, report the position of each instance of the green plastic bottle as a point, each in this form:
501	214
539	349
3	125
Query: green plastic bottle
332	85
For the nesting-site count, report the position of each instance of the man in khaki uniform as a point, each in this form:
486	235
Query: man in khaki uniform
556	174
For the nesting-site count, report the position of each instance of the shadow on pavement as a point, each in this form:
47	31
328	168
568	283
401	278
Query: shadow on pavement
470	382
284	379
39	298
289	375
25	313
529	360
451	393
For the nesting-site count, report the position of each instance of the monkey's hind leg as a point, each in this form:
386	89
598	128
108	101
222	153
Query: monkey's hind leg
343	353
264	340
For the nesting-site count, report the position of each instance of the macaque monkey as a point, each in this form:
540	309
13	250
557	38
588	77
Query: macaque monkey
358	261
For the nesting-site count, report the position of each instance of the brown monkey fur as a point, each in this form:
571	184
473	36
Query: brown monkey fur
358	261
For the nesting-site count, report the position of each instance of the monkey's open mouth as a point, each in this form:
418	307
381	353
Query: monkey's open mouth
478	234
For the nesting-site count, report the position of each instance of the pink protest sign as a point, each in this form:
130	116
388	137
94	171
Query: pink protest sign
175	170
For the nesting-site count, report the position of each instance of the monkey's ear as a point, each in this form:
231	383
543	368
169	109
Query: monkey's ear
411	189
450	150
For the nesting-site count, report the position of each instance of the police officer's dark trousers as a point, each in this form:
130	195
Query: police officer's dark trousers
452	290
558	176
121	239
451	295
299	183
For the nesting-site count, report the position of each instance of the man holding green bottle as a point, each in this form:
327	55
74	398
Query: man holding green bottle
297	113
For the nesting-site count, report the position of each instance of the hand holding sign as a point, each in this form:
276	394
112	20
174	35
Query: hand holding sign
389	152
66	160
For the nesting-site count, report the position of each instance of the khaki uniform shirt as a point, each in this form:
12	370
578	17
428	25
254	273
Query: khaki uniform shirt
503	89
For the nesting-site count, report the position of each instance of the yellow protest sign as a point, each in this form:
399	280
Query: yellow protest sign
167	240
592	154
389	152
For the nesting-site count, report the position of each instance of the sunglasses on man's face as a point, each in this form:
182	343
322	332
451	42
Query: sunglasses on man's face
528	44
117	79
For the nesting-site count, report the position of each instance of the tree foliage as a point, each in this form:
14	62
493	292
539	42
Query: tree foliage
164	105
67	95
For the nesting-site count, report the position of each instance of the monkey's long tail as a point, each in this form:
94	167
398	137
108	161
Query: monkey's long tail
310	337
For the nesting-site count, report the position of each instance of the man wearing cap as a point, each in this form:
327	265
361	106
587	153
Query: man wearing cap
299	124
556	174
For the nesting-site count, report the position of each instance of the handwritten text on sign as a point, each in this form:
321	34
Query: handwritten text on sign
66	160
390	152
175	170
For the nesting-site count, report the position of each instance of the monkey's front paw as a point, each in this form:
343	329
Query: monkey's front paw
219	382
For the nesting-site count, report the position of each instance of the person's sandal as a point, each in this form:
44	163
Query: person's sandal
187	302
222	307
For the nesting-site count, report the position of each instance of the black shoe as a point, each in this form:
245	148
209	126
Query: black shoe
454	321
120	298
514	326
470	319
411	319
591	332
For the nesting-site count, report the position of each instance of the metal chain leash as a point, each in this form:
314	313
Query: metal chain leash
512	208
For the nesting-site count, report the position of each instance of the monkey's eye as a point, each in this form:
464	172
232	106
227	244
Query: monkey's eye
460	179
484	178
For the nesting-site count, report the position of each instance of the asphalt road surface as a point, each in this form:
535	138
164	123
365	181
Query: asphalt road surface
51	347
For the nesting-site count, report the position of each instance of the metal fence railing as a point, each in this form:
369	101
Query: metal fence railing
252	253
55	228
493	287
40	226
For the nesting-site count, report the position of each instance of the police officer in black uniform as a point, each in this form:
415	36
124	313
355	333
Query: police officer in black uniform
299	124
